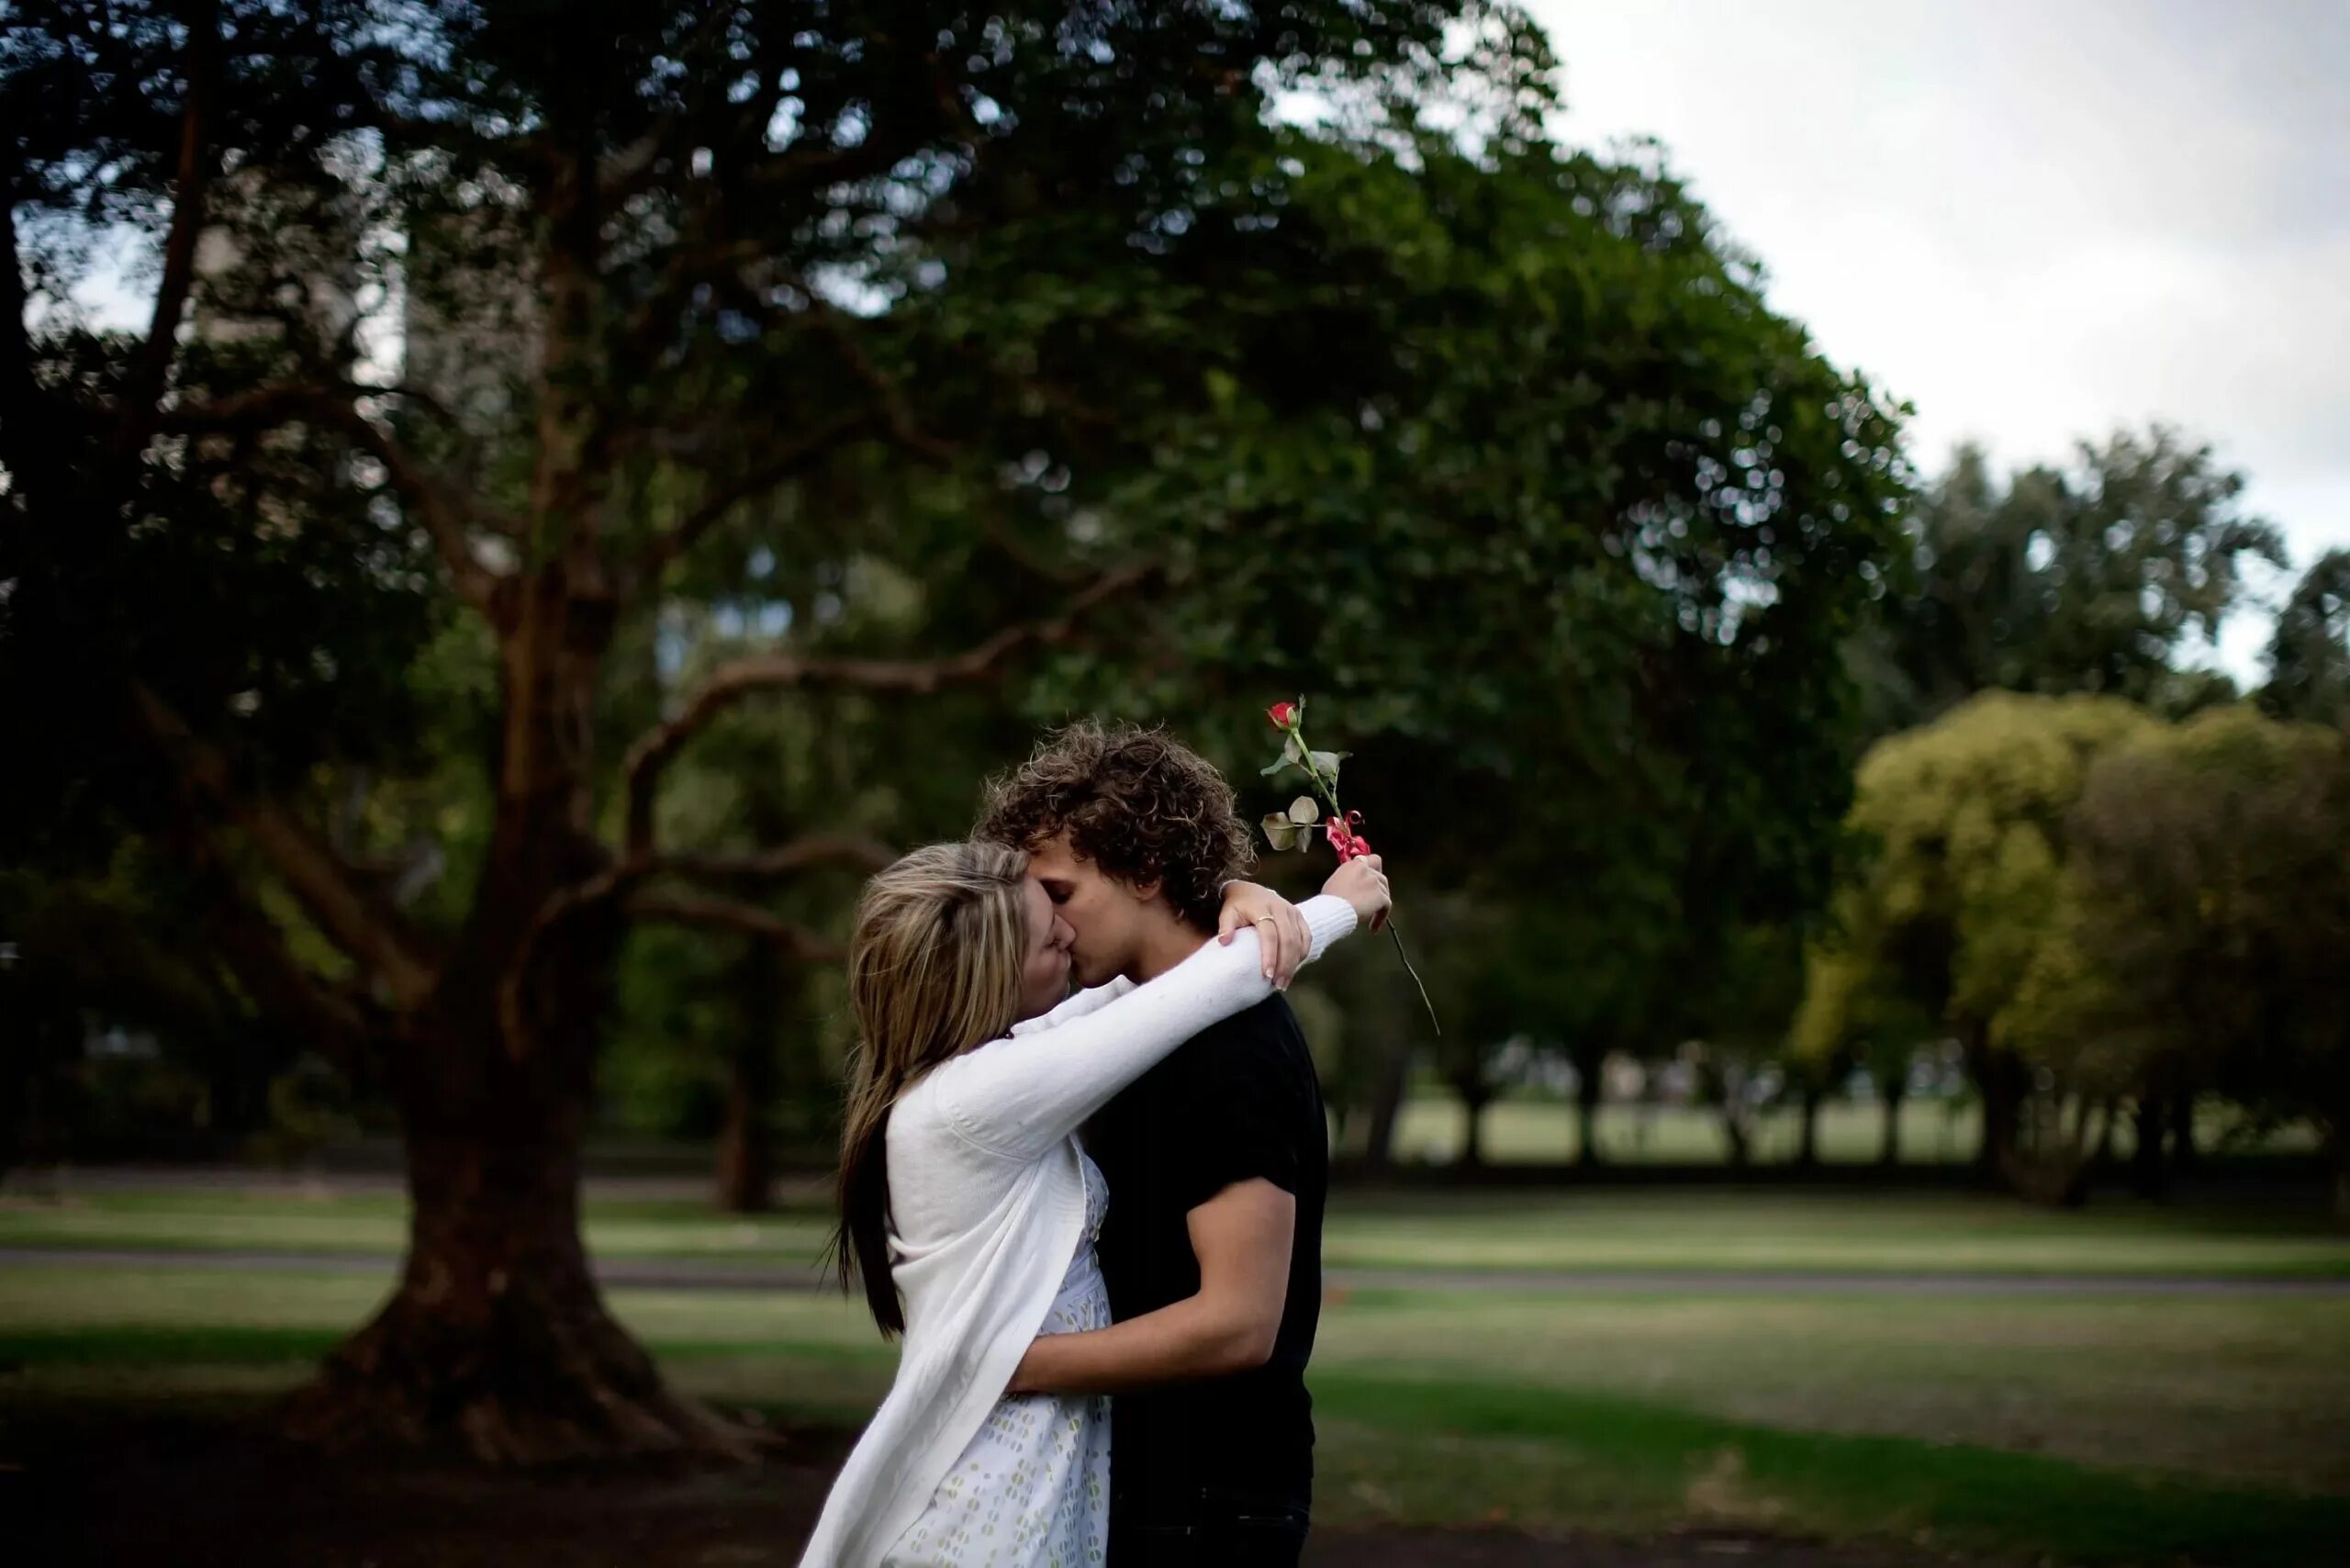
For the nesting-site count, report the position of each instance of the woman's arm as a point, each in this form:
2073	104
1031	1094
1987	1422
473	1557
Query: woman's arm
1242	1238
1021	1096
1283	943
1091	999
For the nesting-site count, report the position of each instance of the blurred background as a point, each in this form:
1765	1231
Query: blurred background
1825	530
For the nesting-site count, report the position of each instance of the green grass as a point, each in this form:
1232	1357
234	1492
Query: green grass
1412	1450
2250	1391
1587	1230
2089	1429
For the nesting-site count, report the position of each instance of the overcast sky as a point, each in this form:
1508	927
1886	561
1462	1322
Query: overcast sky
2033	220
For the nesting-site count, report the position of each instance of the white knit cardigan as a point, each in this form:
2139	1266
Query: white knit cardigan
987	1202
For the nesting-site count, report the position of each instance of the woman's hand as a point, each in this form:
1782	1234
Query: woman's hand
1363	883
1282	940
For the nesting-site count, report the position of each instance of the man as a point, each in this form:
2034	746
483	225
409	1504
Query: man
1217	1163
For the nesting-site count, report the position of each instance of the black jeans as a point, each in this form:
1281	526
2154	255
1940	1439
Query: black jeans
1214	1528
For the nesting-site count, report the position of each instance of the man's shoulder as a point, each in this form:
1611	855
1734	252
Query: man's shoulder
1242	1038
1256	1052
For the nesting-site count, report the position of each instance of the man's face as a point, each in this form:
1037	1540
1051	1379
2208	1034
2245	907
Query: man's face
1109	917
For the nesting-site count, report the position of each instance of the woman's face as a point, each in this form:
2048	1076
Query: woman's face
1044	970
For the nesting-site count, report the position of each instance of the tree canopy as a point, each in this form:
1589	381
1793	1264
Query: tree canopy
2081	579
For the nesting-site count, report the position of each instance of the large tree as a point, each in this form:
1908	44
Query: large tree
1567	547
664	268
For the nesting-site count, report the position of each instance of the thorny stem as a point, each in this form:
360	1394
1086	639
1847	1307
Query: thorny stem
1328	790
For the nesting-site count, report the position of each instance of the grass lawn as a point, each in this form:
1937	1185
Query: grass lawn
2090	1430
1592	1231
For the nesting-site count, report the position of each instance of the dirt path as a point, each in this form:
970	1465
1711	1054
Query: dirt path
672	1273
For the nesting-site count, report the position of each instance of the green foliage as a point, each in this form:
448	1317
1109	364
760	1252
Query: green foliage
2128	907
2309	657
1966	820
2211	856
2078	579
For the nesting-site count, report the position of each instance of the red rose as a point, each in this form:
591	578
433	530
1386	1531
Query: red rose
1283	715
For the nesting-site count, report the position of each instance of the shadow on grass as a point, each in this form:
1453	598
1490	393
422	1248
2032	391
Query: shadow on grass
1428	1452
1983	1499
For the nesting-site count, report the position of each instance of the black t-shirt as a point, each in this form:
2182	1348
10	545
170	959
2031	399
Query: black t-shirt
1239	1101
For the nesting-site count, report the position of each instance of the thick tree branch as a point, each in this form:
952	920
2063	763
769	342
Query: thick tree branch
623	879
255	951
731	683
254	947
897	416
446	513
34	458
780	465
189	200
796	940
786	860
372	935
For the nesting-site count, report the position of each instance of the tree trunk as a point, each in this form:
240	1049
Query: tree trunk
1888	1152
2000	1082
497	1342
1395	1080
2184	1156
1740	1147
1808	1151
1590	1085
2148	1178
746	1155
2061	1165
1475	1098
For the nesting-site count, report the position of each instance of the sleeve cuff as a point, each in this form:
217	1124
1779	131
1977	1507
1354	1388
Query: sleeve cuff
1328	918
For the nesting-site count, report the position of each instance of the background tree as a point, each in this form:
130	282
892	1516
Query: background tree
2085	578
1852	1014
2219	918
1960	891
1568	562
2308	655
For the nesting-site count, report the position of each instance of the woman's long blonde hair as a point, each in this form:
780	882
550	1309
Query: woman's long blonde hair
934	968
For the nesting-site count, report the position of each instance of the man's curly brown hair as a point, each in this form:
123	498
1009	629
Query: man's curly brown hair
1142	807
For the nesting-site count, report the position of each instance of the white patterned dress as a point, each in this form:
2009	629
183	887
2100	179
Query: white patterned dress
1032	1489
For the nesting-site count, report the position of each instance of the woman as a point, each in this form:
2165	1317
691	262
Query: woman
970	1209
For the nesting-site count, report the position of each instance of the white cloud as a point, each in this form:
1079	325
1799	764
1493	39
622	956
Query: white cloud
2034	221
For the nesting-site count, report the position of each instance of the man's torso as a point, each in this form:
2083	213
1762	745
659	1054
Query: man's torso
1239	1102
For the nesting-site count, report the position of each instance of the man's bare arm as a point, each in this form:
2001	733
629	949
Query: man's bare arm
1241	1238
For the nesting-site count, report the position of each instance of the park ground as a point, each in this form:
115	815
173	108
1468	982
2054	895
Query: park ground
1505	1378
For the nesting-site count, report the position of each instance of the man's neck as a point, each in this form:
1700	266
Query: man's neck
1165	947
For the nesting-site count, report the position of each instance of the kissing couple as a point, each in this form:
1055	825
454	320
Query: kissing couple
1056	1199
